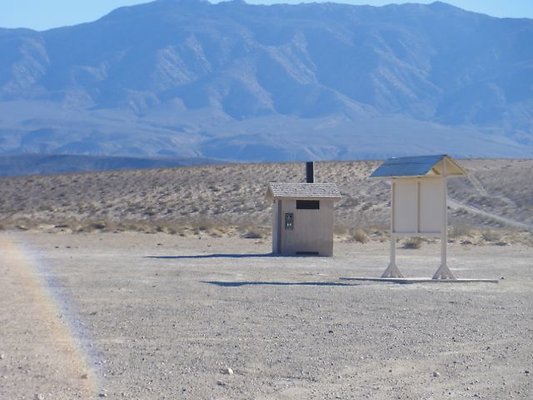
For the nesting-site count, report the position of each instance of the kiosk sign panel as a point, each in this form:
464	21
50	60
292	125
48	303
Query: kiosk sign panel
417	206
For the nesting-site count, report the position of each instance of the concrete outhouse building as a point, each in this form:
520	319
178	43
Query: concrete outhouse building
302	218
419	202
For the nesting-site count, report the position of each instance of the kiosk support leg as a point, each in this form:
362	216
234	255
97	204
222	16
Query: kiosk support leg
392	270
444	272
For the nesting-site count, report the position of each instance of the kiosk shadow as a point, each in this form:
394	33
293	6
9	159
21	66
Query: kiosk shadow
216	255
267	283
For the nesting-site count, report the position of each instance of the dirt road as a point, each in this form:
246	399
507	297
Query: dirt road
137	316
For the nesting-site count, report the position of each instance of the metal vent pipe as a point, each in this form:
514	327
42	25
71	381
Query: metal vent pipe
309	172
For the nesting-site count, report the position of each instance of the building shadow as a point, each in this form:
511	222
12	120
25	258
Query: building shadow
216	255
269	283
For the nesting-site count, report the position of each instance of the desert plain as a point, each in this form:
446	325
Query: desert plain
161	285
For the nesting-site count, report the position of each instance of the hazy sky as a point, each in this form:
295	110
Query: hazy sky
45	14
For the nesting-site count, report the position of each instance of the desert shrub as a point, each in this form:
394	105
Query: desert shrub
412	243
459	230
379	232
491	236
528	239
252	234
360	236
82	227
199	225
133	226
98	225
203	225
26	224
247	231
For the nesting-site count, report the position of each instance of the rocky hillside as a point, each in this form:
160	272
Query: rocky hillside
187	78
229	199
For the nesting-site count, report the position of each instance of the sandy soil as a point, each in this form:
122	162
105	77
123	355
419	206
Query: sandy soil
138	316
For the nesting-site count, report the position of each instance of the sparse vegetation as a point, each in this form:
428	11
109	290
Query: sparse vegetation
252	234
412	243
457	231
360	236
491	236
229	200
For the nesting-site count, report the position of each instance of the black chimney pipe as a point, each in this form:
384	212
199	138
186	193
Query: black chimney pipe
309	172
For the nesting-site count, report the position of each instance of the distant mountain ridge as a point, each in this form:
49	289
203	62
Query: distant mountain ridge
45	164
187	78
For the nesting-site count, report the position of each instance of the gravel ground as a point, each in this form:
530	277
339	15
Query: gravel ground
138	316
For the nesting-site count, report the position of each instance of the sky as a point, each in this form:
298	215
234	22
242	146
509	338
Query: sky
46	14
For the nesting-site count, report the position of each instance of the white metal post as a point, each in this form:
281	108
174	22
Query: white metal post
444	233
392	270
444	272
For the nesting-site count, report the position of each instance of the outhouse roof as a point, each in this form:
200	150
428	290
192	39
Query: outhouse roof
418	166
303	190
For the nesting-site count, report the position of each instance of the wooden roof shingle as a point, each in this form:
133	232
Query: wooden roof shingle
303	190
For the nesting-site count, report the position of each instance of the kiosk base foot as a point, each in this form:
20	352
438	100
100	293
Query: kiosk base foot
444	273
392	271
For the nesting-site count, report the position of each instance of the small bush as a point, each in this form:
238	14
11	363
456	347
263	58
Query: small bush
491	236
412	243
252	235
98	225
360	236
528	240
461	230
202	225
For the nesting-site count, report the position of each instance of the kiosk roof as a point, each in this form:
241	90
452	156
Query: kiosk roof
418	166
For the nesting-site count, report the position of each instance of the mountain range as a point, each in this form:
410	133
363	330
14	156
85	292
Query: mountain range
241	82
